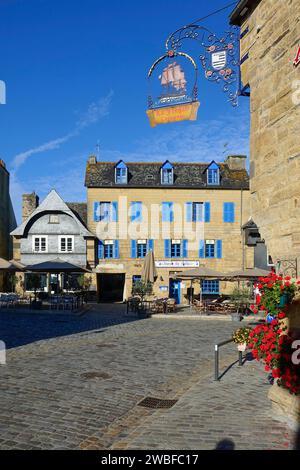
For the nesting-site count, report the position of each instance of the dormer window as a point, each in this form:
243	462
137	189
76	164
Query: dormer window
121	173
213	174
167	173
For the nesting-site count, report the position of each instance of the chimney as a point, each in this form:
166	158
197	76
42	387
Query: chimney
29	203
92	160
236	162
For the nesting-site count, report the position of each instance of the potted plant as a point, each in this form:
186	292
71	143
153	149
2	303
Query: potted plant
142	288
34	283
241	337
240	297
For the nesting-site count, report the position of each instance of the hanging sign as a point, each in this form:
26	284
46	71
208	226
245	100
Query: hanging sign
173	101
180	112
297	58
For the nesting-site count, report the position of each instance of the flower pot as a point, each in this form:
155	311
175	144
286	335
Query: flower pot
284	300
242	347
269	318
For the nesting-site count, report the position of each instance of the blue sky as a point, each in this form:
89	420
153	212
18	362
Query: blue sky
76	74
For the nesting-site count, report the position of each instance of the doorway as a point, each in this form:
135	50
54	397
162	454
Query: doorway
110	287
174	290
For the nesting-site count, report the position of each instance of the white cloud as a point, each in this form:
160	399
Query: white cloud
201	141
94	113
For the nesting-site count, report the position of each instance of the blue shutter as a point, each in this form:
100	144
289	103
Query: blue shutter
150	245
138	212
219	248
133	249
232	210
201	249
116	249
167	248
100	250
225	212
96	211
167	212
132	211
171	212
184	249
207	212
114	209
189	211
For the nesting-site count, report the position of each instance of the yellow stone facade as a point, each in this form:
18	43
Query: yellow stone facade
229	233
269	44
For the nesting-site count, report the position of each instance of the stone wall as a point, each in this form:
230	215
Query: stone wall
272	43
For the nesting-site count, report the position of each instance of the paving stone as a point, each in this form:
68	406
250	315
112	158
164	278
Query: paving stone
47	404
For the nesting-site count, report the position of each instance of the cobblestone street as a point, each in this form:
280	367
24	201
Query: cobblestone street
82	391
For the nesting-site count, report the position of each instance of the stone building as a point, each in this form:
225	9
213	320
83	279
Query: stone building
7	218
50	231
270	38
122	200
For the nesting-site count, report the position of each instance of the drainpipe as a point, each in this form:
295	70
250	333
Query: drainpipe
242	233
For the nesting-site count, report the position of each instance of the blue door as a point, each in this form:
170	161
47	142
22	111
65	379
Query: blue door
174	290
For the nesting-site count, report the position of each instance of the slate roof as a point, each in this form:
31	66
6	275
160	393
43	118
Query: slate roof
80	210
144	175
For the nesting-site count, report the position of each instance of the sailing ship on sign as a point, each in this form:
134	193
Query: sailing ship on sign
173	80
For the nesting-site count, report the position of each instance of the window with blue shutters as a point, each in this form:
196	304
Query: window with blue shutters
213	174
136	211
141	248
106	211
100	249
109	250
228	212
116	249
175	249
121	173
167	212
209	248
197	211
184	250
167	173
133	250
210	286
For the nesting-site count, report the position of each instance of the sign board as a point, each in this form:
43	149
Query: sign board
180	112
218	60
163	288
177	264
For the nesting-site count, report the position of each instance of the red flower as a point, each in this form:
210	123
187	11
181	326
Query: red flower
276	373
287	278
281	315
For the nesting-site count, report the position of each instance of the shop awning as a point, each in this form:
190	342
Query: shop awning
202	272
56	266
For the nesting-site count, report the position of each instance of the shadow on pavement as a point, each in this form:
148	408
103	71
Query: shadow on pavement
20	328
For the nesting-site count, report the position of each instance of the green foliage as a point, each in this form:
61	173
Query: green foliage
142	288
240	296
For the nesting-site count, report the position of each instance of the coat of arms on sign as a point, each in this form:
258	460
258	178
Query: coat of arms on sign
297	58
